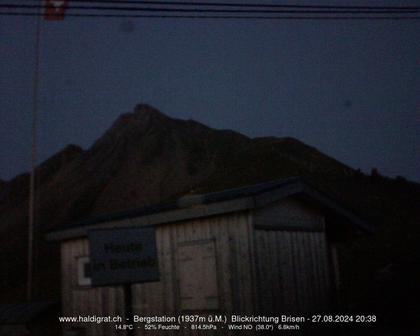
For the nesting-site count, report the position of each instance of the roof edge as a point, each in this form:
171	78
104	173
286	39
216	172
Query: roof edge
199	206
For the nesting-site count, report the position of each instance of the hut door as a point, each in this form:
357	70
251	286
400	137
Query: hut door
197	276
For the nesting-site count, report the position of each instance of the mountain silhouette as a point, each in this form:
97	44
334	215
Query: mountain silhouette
147	157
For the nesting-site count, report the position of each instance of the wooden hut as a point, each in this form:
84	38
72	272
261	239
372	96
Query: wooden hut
266	248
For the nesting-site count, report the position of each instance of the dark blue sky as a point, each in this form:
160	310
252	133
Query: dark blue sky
349	88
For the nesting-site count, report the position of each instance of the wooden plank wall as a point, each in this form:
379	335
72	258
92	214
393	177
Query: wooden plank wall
293	272
292	259
232	234
83	300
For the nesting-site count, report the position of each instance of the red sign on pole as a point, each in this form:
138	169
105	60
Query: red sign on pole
54	9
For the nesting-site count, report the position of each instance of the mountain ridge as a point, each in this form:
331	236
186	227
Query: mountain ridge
146	157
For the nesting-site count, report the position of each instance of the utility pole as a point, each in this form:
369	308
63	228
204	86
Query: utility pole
32	198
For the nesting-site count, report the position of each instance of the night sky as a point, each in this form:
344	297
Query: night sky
349	88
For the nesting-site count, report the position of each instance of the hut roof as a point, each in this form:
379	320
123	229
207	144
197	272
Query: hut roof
196	206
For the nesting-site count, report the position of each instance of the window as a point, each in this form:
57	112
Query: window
197	276
83	271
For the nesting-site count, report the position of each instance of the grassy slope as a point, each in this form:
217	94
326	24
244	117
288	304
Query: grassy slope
381	272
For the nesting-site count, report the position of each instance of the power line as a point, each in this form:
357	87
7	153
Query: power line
230	4
283	17
201	10
221	11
